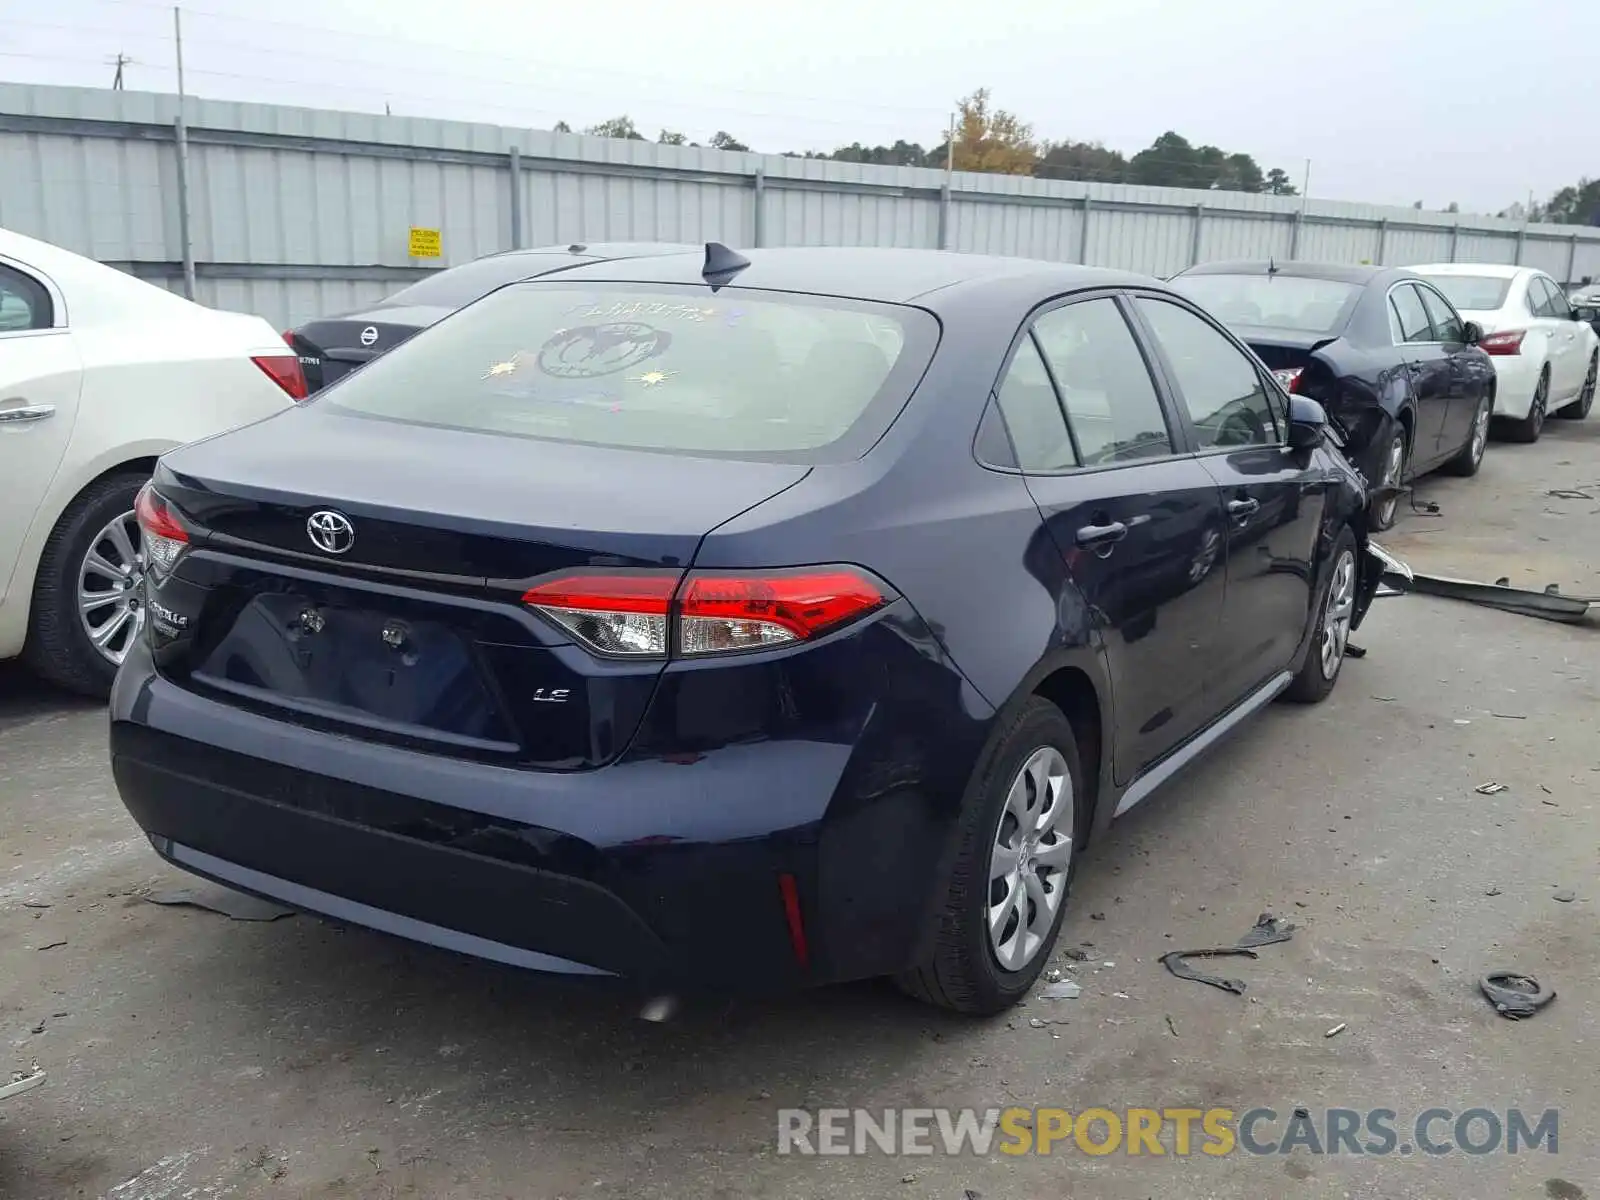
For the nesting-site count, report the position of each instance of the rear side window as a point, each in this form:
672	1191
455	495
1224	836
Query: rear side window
1410	321
1446	325
1548	302
1033	417
1105	384
656	367
24	303
1223	391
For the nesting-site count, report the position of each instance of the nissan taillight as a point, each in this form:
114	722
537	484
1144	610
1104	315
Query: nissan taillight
165	538
1507	341
655	614
1289	377
284	370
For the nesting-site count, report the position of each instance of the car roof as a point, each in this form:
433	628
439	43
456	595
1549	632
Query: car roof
866	273
1491	270
1359	274
604	250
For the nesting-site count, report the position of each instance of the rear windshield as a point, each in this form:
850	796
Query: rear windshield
460	286
1294	302
654	367
1480	293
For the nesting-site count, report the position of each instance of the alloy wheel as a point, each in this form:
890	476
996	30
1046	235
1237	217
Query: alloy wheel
1393	470
1541	400
1030	858
1480	431
1336	618
1586	397
110	595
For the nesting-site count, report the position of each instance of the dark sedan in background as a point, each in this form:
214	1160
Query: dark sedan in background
1385	354
331	347
729	624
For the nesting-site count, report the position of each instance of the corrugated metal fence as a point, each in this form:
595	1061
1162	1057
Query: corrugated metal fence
294	213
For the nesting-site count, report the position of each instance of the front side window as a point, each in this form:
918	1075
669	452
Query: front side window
1447	325
1226	397
656	367
1105	385
24	302
1411	321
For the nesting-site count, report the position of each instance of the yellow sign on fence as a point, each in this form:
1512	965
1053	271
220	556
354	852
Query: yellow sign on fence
426	243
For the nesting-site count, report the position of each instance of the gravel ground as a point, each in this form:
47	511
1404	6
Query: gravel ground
190	1055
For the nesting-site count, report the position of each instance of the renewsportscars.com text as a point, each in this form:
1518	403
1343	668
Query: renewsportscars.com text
1179	1132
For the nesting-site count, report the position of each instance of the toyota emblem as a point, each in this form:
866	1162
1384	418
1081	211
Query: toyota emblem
369	335
330	532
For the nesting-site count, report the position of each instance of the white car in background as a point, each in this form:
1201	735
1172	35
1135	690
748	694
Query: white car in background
100	373
1546	356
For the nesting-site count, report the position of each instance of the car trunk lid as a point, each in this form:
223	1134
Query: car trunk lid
330	349
411	627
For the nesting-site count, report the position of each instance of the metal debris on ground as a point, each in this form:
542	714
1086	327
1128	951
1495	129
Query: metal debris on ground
1564	895
1548	604
52	945
1268	930
22	1081
1569	494
1063	989
1075	954
1337	1029
236	905
1171	1028
1489	789
1514	995
1177	963
1494	891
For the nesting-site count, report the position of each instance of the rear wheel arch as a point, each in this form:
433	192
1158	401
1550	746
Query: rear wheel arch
1072	691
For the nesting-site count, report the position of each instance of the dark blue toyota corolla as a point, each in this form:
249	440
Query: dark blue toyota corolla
731	623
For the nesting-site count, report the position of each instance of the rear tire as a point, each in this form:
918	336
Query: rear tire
1393	469
1531	426
58	646
1579	408
1470	457
1330	636
964	971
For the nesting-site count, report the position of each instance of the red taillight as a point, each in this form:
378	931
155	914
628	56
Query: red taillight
1289	377
164	535
790	891
1507	341
288	338
637	614
284	370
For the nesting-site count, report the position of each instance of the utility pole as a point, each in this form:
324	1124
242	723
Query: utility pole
950	152
181	129
121	60
1305	189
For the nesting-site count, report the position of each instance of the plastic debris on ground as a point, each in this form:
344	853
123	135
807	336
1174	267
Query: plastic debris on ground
1515	996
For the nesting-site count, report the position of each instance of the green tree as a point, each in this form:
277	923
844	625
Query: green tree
617	127
1578	204
561	127
1087	161
901	154
722	140
1277	183
669	138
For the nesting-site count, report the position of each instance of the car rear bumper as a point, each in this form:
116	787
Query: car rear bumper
748	868
1516	377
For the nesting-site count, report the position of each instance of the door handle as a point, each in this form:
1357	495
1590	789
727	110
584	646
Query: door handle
28	412
1243	508
1102	536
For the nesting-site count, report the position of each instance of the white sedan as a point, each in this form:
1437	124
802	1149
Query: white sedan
100	373
1546	359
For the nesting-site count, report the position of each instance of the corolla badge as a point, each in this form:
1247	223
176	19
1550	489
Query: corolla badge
369	335
330	532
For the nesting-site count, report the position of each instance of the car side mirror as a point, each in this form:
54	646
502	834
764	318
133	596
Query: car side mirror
1308	423
1586	313
1472	333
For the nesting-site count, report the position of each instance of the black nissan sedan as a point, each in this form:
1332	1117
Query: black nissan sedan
734	623
1380	348
331	347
